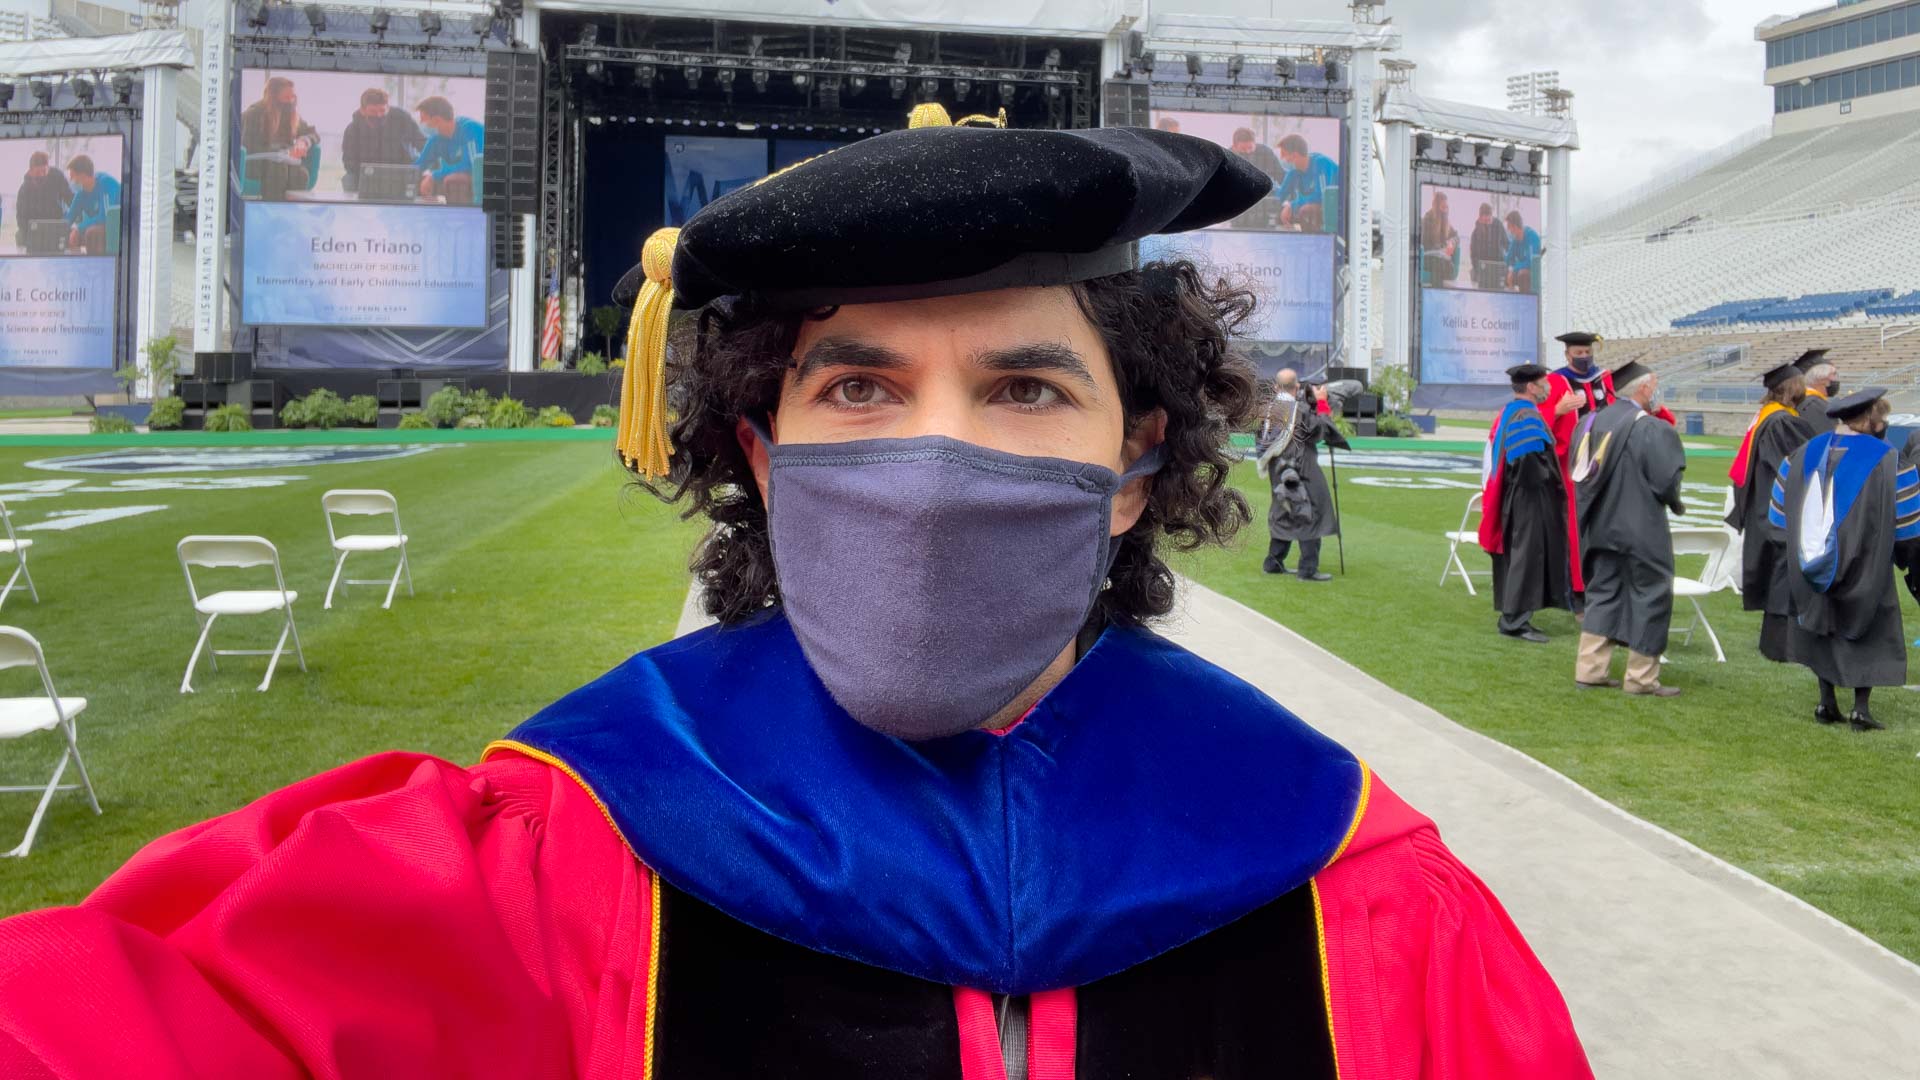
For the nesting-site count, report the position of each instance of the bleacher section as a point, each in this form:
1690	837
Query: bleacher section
1798	216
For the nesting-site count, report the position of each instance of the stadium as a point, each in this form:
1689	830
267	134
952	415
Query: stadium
406	665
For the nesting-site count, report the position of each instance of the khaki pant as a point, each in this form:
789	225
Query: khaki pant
1596	658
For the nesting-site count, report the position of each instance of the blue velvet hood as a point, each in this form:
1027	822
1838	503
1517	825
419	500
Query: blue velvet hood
1148	799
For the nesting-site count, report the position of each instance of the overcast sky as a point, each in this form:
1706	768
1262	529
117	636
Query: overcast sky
1654	81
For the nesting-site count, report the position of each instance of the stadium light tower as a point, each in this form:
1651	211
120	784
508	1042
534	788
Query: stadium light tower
1559	102
1527	92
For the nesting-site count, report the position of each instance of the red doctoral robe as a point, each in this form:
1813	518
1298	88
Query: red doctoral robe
1599	394
402	916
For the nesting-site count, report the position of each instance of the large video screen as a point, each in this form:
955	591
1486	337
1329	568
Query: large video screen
702	168
1479	263
60	241
1283	247
363	264
347	136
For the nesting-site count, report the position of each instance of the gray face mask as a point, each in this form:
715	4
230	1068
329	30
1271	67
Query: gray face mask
929	581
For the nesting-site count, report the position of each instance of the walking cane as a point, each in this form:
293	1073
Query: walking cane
1340	533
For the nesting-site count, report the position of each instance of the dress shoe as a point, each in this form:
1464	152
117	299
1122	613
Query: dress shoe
1529	634
1610	684
1316	577
1273	567
1827	715
1658	691
1864	721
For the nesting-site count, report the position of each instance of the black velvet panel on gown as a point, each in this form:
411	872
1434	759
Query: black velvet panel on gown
1242	1002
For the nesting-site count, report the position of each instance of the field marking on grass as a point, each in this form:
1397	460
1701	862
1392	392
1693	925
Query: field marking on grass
228	459
65	520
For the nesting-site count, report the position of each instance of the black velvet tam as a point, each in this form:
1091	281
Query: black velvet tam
1577	337
1854	404
1522	374
938	211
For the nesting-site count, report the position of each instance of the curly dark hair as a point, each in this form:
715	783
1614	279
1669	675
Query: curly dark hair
1169	332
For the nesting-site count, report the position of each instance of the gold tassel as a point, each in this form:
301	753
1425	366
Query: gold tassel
928	114
641	433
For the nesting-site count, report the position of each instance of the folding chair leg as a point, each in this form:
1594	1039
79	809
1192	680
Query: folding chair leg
1719	654
1465	578
407	565
39	812
1446	568
339	564
298	652
80	763
22	556
186	681
8	590
274	660
394	585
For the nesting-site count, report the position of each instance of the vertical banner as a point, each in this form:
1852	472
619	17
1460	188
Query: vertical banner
1358	338
209	299
702	168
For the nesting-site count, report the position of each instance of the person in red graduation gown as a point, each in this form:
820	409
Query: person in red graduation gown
930	800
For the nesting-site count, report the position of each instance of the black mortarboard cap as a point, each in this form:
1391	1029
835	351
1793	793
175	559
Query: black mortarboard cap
1852	405
1526	373
1629	371
1810	359
1781	374
1578	337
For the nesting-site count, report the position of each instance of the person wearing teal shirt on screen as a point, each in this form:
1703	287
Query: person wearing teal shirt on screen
452	153
1303	188
1523	254
94	194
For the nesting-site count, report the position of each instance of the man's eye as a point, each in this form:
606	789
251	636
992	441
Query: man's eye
855	391
1031	393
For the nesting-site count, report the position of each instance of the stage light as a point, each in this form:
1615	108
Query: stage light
1006	93
380	20
1283	69
257	13
42	91
1235	65
596	71
430	24
897	85
857	82
903	54
122	90
1053	90
645	74
1193	65
1146	63
1534	157
1422	145
589	35
1456	149
692	72
317	18
760	76
1506	157
802	80
481	25
725	77
82	91
6	94
929	88
1333	72
962	88
1480	152
1052	62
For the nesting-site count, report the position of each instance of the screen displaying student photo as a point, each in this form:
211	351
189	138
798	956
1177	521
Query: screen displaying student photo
1291	278
341	136
61	195
1478	240
1299	154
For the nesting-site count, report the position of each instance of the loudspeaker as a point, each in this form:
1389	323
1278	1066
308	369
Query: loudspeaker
223	367
509	241
1125	104
510	167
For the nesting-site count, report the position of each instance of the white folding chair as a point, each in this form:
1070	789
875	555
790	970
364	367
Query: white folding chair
237	552
1719	546
16	547
28	715
1463	535
367	502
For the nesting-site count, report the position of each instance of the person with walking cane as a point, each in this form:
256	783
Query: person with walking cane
1303	506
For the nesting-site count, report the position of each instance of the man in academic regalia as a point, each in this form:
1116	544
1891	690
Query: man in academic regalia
1302	508
1523	511
930	801
1776	431
1849	511
1823	384
1626	471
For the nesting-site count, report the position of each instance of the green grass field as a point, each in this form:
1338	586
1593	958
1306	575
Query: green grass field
538	569
535	572
1735	764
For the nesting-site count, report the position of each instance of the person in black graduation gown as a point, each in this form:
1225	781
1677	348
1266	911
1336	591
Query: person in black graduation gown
1823	384
1626	471
1302	507
1523	519
1776	431
1849	509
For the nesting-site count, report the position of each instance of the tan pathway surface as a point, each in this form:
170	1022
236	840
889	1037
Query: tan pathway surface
1674	963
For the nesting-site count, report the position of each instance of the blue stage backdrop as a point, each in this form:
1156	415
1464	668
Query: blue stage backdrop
701	168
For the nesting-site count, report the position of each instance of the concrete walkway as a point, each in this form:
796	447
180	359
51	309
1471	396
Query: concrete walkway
1674	963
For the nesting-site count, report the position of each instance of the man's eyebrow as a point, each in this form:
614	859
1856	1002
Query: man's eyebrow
841	352
1037	356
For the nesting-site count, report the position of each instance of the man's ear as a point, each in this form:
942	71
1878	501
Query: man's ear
756	452
1131	502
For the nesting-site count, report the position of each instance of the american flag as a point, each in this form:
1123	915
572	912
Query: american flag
550	329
